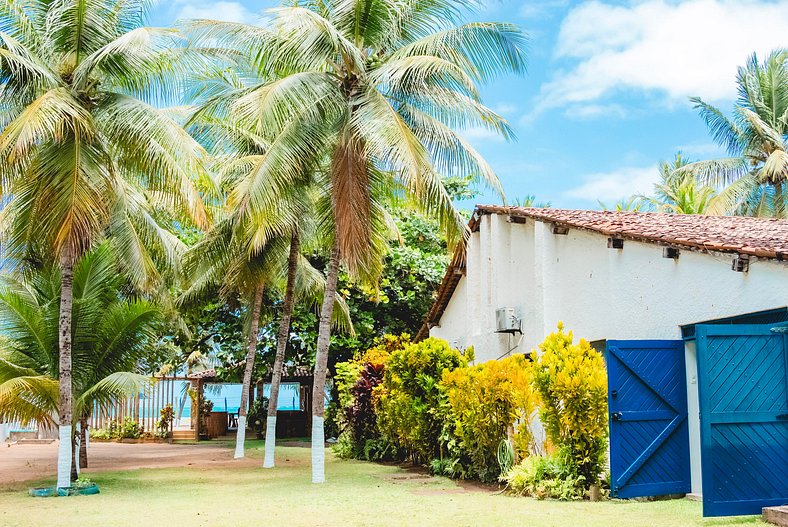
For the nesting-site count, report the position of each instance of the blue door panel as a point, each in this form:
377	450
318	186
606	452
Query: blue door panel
647	398
743	383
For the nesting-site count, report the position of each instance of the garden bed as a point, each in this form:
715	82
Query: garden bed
130	440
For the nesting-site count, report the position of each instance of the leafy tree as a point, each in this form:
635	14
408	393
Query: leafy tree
83	153
376	89
756	139
113	333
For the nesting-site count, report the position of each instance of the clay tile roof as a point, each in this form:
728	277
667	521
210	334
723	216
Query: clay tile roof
761	237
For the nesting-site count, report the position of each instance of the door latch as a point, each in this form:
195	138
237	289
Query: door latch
782	417
617	416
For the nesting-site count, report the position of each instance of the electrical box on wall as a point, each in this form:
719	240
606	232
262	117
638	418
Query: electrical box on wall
508	320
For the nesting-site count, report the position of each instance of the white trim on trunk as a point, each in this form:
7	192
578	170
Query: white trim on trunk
240	437
64	457
270	442
318	450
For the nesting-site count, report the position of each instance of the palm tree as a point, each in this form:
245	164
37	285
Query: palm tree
112	333
756	138
247	254
376	89
679	192
83	145
631	204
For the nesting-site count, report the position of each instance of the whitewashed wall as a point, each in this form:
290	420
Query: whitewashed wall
599	293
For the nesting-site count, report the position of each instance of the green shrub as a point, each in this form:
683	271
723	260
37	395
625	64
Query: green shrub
409	402
130	429
102	433
356	381
541	477
572	383
485	403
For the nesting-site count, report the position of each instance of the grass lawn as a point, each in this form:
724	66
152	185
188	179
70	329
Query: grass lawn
356	494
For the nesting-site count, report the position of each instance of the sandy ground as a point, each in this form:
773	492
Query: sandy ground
30	462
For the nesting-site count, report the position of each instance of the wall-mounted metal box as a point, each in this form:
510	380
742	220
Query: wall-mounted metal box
508	320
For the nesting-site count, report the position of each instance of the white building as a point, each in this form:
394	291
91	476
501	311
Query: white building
611	276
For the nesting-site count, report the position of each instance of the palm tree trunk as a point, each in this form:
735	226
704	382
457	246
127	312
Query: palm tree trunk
83	443
242	409
321	363
64	346
281	346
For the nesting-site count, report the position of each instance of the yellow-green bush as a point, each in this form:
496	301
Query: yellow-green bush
483	402
572	383
408	403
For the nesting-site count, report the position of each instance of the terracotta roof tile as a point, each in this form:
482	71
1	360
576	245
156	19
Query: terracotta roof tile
763	237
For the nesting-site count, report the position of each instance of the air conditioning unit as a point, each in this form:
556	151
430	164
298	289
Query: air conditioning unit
508	320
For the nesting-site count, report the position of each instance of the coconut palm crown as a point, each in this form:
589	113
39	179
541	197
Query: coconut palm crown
756	138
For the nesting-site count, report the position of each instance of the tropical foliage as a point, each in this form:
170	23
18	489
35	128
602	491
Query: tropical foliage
370	93
571	380
422	401
113	332
488	404
755	137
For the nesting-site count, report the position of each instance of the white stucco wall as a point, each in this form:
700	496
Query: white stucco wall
599	293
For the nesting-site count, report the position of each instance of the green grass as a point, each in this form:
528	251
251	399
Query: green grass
356	493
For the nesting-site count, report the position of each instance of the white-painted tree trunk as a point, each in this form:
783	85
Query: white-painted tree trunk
318	450
240	438
270	432
64	457
65	449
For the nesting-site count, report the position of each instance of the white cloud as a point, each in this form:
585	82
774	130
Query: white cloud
476	134
615	185
672	49
592	111
225	11
504	108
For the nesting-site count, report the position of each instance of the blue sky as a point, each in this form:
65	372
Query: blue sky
606	93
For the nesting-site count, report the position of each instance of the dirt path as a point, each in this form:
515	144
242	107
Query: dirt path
29	462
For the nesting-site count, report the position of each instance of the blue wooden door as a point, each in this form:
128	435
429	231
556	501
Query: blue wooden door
647	397
743	382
